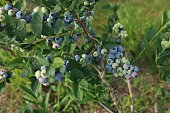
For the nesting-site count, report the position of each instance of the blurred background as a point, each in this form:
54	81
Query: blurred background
137	16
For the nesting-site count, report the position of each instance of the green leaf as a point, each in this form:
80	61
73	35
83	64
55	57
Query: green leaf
28	109
35	86
46	101
20	4
57	62
25	73
58	26
2	85
72	48
27	91
30	99
36	22
165	17
76	75
42	59
17	61
84	83
56	9
77	91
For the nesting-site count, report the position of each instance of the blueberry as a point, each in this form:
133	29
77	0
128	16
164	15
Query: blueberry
44	10
119	70
86	3
59	40
127	76
1	10
77	58
2	18
82	18
56	45
113	50
109	68
126	66
67	17
116	74
90	13
43	67
59	77
8	7
75	37
28	19
1	77
49	58
120	48
95	54
136	69
118	40
2	72
114	65
19	14
43	80
6	75
124	60
113	71
67	62
36	9
15	10
43	73
110	61
38	74
118	55
104	51
134	74
111	56
117	61
11	12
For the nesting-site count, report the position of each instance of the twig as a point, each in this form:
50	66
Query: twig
105	107
131	96
156	107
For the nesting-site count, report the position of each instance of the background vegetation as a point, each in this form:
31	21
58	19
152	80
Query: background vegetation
138	17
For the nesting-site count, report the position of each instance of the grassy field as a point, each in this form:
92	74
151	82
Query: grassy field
137	16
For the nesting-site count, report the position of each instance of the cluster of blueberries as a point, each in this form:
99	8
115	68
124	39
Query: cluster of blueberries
4	74
116	63
46	79
120	32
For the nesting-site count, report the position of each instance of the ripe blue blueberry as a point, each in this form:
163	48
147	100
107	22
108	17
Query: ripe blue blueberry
43	67
118	40
59	40
67	17
75	37
77	58
43	80
8	7
6	75
113	50
136	69
19	14
28	18
134	74
56	45
90	13
49	58
126	66
120	48
111	56
118	55
59	77
113	71
109	68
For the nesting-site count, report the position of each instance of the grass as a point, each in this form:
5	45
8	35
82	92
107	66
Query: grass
137	16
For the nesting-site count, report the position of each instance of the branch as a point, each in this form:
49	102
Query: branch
131	96
105	107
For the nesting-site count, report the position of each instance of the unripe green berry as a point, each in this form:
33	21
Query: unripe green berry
1	77
104	51
95	54
114	65
119	69
86	3
38	74
110	61
83	55
116	74
43	74
117	61
124	72
124	60
36	9
46	84
129	72
44	10
11	12
2	18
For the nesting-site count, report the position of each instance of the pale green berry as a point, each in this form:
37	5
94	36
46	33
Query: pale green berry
43	74
120	74
11	12
44	10
95	54
119	69
117	61
81	60
38	74
129	72
83	55
116	74
2	18
110	61
46	84
104	51
114	65
1	77
36	9
48	20
124	72
86	3
124	60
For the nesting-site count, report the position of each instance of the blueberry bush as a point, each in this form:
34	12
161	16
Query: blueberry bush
66	64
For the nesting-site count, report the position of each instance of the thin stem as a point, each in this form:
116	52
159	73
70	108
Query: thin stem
131	96
105	107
